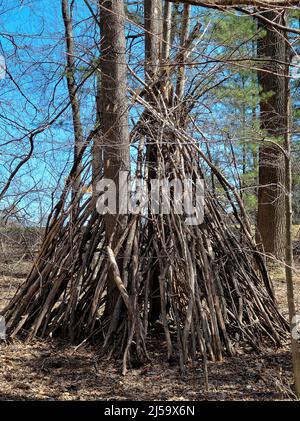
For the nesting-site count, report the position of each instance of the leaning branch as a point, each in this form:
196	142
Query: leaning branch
228	3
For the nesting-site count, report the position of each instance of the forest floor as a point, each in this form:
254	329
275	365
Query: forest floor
54	370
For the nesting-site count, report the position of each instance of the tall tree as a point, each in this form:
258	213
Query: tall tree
67	13
153	36
97	149
271	205
167	29
113	114
184	32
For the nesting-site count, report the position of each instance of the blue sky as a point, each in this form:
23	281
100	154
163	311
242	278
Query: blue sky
31	40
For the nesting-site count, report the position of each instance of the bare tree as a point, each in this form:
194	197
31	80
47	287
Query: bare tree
184	33
67	13
153	23
113	114
167	27
270	214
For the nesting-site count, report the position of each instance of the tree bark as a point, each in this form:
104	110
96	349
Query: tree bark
67	12
97	163
113	116
153	23
183	38
226	3
97	152
153	36
167	29
271	203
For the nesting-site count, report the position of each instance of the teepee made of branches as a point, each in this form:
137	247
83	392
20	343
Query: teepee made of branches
214	289
210	279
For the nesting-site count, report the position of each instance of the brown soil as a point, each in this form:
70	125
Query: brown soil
54	370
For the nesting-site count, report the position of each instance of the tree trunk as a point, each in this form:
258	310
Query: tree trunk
167	27
183	38
153	37
113	115
97	148
271	204
67	12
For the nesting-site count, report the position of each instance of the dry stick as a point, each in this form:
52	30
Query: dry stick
162	276
76	281
117	278
124	294
117	311
41	274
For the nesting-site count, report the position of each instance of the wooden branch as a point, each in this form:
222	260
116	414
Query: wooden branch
117	277
228	3
237	5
